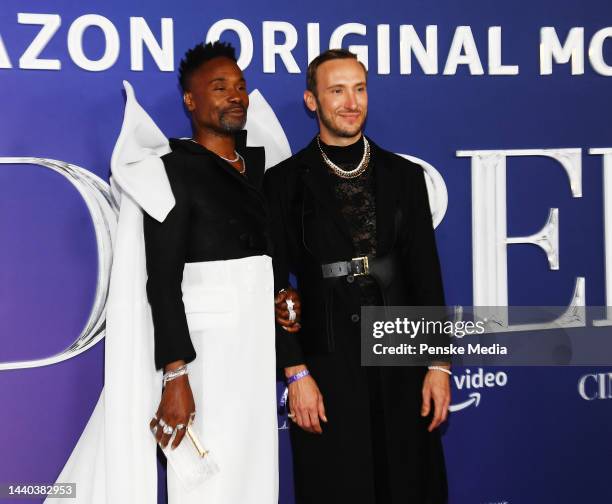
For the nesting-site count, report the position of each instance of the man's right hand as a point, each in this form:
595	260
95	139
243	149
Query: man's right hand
305	402
175	408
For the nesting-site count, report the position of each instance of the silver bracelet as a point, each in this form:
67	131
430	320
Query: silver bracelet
440	368
171	375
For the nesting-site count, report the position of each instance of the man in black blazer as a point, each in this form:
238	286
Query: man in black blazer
220	217
366	435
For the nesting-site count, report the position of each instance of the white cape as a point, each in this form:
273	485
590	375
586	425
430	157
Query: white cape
115	458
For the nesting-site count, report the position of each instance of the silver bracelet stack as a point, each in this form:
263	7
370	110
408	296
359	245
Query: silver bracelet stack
172	375
440	368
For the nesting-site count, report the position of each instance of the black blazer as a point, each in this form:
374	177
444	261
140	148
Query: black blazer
309	230
219	215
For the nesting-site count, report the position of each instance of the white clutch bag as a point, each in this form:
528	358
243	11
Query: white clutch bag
190	461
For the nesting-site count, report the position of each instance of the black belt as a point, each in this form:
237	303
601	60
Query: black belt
386	270
355	267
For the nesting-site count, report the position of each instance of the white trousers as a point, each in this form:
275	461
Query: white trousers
230	313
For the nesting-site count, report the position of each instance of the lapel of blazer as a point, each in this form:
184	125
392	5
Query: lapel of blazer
316	178
254	158
387	187
255	161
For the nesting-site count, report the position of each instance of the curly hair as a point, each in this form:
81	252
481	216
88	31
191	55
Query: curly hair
200	54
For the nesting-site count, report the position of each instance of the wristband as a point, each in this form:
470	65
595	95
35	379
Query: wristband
297	376
440	368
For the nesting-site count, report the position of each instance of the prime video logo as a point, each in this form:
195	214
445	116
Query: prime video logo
476	382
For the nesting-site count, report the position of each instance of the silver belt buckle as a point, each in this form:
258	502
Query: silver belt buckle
365	268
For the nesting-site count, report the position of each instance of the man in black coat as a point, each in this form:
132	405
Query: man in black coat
359	434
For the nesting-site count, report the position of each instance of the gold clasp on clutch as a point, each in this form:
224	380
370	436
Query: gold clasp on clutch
196	442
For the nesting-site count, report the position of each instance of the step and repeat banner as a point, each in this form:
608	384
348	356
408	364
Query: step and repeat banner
506	104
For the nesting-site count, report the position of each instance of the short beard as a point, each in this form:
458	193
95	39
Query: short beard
229	125
327	122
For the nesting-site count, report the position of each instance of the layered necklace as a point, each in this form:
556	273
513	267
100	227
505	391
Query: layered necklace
235	160
348	174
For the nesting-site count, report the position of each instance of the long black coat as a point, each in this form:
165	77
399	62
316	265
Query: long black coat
311	231
375	447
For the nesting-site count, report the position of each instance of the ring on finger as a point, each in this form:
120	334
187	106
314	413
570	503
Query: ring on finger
168	430
290	305
161	422
180	426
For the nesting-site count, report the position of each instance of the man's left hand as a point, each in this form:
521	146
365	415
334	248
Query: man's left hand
436	388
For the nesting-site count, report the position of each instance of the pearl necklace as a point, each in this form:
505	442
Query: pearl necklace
348	174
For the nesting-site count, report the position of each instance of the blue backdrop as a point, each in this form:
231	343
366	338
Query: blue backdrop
531	438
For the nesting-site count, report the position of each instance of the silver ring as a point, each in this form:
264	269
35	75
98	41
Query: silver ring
180	426
290	305
168	430
154	429
161	422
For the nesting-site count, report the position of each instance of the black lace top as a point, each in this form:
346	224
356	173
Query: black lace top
357	203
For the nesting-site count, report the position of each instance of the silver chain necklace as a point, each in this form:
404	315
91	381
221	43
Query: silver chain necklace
243	170
235	160
348	174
